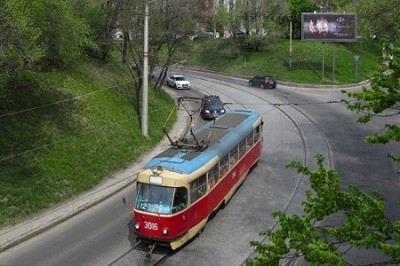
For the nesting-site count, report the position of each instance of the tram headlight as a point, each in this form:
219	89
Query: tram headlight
137	226
165	231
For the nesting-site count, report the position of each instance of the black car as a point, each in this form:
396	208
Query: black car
264	82
212	107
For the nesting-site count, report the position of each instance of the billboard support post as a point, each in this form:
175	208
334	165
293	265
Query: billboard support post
323	60
356	60
290	45
329	27
333	60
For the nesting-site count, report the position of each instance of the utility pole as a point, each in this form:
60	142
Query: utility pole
290	44
145	100
323	60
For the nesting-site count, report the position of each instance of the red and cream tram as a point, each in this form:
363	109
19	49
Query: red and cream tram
181	187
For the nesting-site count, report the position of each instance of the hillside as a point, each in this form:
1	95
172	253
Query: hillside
66	131
63	132
231	56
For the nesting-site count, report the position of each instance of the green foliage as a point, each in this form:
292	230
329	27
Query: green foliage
363	224
19	38
382	99
63	33
229	56
44	34
66	132
296	7
379	18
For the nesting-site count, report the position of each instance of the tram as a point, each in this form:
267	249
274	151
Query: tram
179	189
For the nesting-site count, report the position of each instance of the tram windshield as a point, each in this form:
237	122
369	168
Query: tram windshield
162	200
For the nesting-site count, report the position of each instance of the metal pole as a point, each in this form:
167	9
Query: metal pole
290	45
323	60
334	61
145	104
215	19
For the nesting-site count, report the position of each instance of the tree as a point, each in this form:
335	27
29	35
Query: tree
260	20
364	225
378	18
170	25
174	24
38	35
19	39
111	10
296	7
382	99
20	50
64	34
42	34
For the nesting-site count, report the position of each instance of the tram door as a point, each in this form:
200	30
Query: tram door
179	205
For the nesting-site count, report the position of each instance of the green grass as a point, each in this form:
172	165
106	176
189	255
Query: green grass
225	55
52	153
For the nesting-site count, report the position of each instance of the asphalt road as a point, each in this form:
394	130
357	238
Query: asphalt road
299	123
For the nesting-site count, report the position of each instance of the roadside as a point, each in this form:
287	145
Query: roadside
181	65
12	236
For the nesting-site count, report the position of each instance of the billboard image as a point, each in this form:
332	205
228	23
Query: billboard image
329	27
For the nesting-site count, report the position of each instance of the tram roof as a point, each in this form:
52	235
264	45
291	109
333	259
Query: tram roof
227	131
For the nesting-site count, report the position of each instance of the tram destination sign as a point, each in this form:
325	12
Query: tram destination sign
329	27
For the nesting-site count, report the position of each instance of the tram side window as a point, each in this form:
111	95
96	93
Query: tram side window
197	188
213	176
257	134
180	200
223	166
242	148
250	141
233	156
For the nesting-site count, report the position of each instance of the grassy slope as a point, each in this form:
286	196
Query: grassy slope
66	148
53	153
225	56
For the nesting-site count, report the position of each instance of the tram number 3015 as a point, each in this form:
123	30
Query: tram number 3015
151	226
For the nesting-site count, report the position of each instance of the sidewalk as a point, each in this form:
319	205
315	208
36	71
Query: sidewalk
15	235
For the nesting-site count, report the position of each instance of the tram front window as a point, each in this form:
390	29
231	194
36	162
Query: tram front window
158	199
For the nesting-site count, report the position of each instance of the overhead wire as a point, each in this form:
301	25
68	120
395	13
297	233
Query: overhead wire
82	134
78	97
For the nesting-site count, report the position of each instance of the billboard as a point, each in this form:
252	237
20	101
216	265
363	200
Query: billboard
329	27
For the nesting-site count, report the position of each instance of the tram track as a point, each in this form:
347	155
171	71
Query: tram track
97	237
279	105
138	252
286	109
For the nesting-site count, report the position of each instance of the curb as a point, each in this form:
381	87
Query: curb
281	82
14	235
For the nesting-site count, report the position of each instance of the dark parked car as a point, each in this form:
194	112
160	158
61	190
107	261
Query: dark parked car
212	107
264	82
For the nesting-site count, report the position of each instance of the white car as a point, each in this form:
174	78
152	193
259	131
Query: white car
178	82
